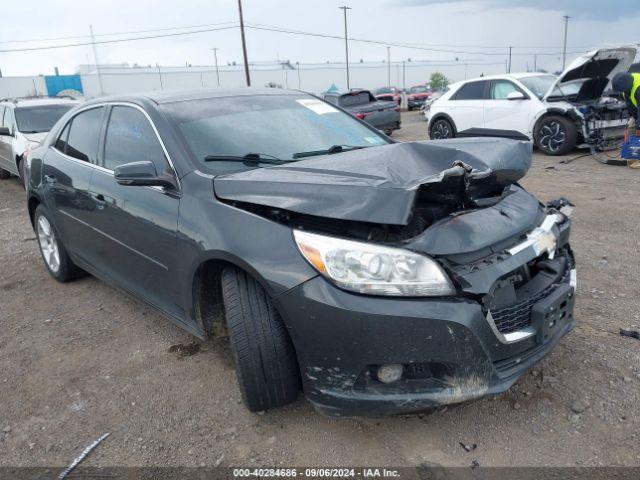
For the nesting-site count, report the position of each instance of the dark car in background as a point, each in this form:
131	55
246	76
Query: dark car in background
383	115
391	94
356	269
417	95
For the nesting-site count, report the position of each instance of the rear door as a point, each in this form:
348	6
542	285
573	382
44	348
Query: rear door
466	107
503	117
66	174
138	225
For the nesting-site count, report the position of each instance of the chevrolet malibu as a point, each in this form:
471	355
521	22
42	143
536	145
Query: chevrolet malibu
376	277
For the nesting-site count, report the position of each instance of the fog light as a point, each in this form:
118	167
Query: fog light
389	373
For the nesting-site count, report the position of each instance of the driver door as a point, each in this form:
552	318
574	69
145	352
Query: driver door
138	224
503	117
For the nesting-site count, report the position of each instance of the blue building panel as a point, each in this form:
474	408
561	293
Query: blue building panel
60	83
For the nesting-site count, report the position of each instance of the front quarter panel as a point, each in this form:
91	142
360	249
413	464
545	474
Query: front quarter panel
212	230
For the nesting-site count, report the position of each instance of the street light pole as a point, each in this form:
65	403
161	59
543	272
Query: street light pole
344	8
244	45
95	57
389	66
509	59
215	56
564	49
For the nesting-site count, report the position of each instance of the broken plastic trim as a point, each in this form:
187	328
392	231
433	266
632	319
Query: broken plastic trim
542	239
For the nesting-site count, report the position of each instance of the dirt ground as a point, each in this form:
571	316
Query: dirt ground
81	359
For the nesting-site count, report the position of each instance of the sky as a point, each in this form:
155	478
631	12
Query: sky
472	31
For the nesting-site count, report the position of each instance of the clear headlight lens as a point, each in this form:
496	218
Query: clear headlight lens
373	269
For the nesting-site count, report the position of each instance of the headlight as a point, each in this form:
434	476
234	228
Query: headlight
373	269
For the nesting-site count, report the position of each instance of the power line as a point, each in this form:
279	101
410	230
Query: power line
116	40
111	34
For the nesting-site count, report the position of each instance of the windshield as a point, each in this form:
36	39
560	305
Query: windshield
41	118
420	89
384	90
539	85
276	126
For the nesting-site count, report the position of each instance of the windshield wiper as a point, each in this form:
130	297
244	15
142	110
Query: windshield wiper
248	158
332	149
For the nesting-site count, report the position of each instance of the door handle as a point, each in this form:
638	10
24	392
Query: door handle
50	179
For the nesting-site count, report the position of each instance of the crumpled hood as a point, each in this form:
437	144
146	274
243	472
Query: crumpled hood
599	65
376	184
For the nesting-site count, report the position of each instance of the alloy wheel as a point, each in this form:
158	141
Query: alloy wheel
441	130
552	136
48	244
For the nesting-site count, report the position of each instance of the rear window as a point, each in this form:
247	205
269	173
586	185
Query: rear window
41	118
352	99
471	91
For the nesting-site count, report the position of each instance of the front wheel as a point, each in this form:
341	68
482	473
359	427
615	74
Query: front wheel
266	363
441	129
555	135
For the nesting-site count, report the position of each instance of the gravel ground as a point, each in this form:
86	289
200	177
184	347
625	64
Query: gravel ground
82	359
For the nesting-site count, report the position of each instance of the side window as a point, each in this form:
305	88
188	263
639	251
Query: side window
8	120
500	89
61	142
130	138
84	133
471	91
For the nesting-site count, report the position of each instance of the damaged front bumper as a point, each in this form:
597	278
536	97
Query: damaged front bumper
511	310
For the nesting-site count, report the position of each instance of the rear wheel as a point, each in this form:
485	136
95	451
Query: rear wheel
266	364
555	135
441	129
55	256
4	174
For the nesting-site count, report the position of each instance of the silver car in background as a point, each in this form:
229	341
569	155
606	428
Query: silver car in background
24	123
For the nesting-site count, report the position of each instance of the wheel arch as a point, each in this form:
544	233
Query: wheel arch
32	204
551	112
205	291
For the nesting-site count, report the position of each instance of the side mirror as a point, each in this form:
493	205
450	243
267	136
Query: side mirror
516	96
6	131
142	174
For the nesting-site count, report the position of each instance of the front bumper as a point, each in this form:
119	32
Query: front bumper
415	103
448	348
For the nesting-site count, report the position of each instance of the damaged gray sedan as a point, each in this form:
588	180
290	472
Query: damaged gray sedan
376	277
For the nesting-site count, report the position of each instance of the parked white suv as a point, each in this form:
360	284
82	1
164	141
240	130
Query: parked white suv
24	122
557	113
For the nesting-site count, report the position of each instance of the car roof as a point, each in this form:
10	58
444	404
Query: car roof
171	96
512	76
36	102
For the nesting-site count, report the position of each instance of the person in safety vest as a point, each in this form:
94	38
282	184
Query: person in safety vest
628	86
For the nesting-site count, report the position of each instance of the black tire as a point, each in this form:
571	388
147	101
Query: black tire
555	135
67	270
388	132
4	174
266	364
441	129
409	108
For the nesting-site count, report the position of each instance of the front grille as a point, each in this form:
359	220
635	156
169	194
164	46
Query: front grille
518	316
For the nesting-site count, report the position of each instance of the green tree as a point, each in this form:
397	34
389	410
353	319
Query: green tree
438	81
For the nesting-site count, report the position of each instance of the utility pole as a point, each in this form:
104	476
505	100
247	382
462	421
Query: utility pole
404	83
535	63
509	70
215	56
344	8
465	71
564	49
244	45
95	58
389	66
298	68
